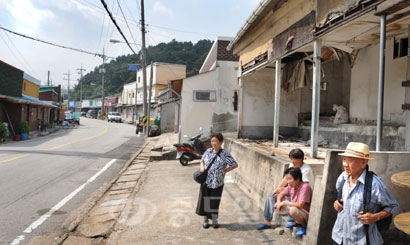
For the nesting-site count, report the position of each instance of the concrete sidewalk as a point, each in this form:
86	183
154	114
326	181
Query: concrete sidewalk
153	202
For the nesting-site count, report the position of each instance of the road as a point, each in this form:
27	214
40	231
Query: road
44	179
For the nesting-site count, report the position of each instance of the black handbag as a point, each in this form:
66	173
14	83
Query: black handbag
200	177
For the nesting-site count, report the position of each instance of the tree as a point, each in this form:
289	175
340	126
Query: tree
116	75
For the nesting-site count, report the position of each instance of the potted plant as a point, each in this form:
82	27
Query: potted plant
24	129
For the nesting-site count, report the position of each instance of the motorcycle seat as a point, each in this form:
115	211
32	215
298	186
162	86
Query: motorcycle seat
187	144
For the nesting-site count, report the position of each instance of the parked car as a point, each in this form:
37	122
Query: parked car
114	116
83	113
91	114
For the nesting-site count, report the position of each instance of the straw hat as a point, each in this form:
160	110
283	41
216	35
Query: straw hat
358	150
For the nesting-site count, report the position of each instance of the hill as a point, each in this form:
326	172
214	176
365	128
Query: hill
116	75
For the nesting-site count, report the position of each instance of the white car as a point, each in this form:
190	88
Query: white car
114	116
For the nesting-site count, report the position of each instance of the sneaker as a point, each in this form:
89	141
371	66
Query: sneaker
301	231
290	224
205	225
263	226
290	219
215	223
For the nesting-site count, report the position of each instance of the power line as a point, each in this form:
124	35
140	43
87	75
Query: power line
53	44
116	25
126	22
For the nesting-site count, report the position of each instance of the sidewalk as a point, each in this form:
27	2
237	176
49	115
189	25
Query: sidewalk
154	203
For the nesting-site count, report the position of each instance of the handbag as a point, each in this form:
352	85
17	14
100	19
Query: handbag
200	177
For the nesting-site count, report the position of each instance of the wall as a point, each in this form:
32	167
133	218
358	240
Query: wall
196	114
257	104
259	172
322	214
167	117
365	81
224	118
11	80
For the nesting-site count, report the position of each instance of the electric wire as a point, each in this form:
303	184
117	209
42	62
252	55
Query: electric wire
13	53
116	25
126	22
50	43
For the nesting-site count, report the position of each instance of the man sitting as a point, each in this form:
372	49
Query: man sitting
299	205
296	157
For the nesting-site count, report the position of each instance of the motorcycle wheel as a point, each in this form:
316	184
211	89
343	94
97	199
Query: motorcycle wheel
183	161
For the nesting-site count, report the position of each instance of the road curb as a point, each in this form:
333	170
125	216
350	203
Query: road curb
87	207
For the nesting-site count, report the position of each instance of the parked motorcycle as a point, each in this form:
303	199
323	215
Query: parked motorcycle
187	152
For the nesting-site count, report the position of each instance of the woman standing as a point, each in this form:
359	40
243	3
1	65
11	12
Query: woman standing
211	191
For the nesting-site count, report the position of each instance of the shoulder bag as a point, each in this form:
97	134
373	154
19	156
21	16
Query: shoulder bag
200	177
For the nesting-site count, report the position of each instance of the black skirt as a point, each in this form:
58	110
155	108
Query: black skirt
208	201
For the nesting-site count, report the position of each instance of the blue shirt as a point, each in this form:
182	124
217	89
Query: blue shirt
216	174
348	228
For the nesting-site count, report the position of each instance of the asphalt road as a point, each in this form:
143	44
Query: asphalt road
43	180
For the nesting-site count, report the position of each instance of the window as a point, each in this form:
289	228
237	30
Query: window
400	47
204	95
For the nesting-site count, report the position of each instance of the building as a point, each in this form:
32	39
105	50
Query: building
19	99
158	75
209	99
297	59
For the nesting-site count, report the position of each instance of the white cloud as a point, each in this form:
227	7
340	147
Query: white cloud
28	18
160	8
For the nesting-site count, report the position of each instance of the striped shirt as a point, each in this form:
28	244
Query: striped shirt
348	228
216	174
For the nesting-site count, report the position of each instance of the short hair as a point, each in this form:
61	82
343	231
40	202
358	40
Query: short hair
218	135
296	173
297	154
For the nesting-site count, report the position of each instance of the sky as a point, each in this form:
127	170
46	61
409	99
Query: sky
85	25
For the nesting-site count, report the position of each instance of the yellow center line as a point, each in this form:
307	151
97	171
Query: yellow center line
77	141
60	146
14	158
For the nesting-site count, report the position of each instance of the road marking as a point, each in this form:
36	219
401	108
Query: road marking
77	141
60	146
59	205
15	158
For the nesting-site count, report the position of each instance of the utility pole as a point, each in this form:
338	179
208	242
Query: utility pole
102	92
68	90
149	96
81	86
144	61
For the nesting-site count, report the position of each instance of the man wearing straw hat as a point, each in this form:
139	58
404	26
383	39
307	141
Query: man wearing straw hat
351	223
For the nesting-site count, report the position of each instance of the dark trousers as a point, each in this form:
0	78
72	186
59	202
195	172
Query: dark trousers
208	201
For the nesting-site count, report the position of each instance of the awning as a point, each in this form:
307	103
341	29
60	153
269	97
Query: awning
26	100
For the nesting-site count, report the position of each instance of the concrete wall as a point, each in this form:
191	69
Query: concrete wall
258	105
322	214
167	117
212	116
259	173
363	96
196	114
224	117
393	137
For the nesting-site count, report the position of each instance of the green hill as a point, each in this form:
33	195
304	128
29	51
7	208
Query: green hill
116	75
